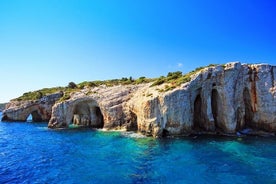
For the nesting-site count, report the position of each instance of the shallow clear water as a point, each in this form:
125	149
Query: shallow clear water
30	153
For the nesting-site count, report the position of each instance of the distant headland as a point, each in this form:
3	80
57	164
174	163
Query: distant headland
230	99
2	106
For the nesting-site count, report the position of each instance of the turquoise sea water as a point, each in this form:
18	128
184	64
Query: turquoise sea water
30	153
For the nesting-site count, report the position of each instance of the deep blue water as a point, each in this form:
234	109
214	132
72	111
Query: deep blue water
30	153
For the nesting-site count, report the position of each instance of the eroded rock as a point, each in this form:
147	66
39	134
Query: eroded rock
219	99
41	110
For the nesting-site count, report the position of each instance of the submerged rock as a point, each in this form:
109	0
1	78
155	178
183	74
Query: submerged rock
226	99
246	131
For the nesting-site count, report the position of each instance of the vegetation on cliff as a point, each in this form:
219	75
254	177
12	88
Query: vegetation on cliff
35	95
175	79
172	80
72	87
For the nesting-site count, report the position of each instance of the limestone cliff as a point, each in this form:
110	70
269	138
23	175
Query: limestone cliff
221	99
40	110
96	107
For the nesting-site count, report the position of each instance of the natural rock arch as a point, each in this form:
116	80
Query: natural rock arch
38	113
36	116
87	113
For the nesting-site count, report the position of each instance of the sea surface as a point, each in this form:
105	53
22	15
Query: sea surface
31	153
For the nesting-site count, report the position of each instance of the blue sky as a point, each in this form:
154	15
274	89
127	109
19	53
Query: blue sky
46	43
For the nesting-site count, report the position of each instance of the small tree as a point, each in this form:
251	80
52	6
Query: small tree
174	75
140	80
38	95
92	84
72	85
124	79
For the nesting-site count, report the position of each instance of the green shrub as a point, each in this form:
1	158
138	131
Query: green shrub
159	81
72	85
124	79
140	80
35	95
174	75
86	84
149	95
173	78
65	96
177	78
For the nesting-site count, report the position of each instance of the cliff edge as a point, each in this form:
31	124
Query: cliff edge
219	99
223	99
41	109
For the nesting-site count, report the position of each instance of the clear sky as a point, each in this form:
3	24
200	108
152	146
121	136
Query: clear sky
47	43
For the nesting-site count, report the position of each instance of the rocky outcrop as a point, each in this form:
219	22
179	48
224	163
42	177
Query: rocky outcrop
224	99
2	106
40	110
99	107
221	99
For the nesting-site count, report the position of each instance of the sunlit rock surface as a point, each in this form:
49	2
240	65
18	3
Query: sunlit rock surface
218	100
40	110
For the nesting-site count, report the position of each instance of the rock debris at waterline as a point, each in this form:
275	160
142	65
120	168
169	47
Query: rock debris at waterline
219	99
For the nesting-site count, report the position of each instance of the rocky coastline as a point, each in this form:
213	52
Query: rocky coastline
231	99
2	106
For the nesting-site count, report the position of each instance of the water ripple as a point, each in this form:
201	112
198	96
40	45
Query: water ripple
30	153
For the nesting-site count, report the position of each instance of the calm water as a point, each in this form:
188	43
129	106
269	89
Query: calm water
30	153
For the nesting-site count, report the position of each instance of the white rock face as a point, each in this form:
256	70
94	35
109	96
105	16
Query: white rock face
40	110
102	107
221	99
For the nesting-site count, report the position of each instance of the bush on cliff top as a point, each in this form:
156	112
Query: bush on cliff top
177	78
72	87
174	79
35	95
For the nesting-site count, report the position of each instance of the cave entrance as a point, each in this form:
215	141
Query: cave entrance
81	114
198	118
248	113
215	104
34	117
86	114
132	122
97	120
